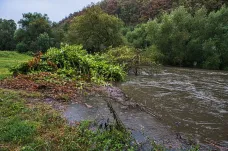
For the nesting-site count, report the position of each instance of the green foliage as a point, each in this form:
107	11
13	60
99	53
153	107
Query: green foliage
171	35
33	33
129	11
58	35
105	140
194	5
43	41
73	61
77	61
95	30
185	39
36	64
7	29
121	55
130	57
154	54
22	47
137	37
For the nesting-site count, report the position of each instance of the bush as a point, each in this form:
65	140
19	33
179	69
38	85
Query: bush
69	58
21	47
130	57
74	61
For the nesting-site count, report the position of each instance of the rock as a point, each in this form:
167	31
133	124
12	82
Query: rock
88	106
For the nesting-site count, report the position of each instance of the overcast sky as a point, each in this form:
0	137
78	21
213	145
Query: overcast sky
56	9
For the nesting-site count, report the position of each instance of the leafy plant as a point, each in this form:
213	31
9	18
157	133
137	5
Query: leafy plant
73	61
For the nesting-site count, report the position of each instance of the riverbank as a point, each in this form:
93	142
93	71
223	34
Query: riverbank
77	101
73	103
31	118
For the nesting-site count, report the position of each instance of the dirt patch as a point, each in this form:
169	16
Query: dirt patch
50	85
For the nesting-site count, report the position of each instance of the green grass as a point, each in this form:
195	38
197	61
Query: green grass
10	59
35	126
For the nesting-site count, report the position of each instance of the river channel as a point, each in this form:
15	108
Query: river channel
192	102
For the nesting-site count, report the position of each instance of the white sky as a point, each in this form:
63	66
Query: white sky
56	9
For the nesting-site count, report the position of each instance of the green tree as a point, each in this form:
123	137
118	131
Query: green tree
137	37
43	42
129	11
187	39
57	35
193	5
95	30
31	26
216	37
21	47
7	30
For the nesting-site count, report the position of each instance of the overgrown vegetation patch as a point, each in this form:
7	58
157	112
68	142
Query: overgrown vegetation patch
73	62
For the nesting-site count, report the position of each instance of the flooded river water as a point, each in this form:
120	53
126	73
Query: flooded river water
192	102
176	108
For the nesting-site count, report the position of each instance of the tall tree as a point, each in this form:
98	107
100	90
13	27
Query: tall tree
31	26
95	30
7	30
193	5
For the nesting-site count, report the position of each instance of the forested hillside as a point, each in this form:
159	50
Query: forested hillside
190	33
133	12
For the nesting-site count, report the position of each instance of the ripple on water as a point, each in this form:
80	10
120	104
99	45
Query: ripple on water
198	98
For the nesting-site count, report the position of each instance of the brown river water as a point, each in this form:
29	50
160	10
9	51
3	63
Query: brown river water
182	102
192	102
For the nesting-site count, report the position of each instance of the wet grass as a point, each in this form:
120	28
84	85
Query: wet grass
10	59
28	126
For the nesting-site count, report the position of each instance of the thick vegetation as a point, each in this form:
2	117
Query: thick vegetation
96	30
73	61
172	32
7	30
191	40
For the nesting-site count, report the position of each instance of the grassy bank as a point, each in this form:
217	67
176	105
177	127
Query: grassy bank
29	123
34	125
9	59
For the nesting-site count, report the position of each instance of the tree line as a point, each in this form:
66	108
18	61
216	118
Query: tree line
173	32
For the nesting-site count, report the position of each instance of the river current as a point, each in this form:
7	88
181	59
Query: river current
192	102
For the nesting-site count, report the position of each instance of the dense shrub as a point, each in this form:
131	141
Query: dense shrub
74	61
186	39
21	47
130	57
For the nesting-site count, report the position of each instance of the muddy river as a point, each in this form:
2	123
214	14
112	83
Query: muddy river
192	102
174	107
